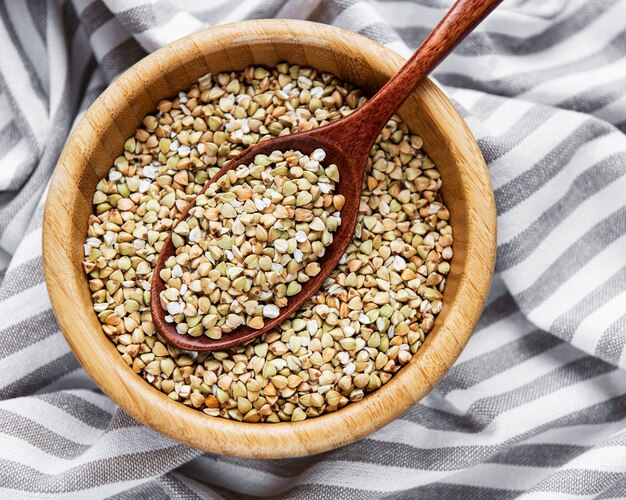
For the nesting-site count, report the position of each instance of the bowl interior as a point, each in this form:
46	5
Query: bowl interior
98	139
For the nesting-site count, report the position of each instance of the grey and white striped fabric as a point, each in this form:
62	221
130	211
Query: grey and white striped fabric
536	405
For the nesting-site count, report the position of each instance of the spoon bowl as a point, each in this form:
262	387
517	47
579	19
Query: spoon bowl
349	185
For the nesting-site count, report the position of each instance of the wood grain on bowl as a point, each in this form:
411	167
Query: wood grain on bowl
99	137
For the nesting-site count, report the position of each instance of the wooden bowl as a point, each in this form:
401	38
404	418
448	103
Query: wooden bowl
100	136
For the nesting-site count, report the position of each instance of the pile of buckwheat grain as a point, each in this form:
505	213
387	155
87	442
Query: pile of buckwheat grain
249	243
350	338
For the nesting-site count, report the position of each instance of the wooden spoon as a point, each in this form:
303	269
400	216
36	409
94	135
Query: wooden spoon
347	143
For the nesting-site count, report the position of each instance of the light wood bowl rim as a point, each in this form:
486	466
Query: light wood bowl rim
332	430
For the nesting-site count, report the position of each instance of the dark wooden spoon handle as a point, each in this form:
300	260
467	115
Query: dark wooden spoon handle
458	22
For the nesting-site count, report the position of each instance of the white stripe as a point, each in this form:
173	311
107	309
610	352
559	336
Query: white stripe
601	459
590	330
75	380
108	36
28	249
114	443
503	20
22	363
401	48
514	422
30	39
577	435
14	232
519	375
24	305
467	98
557	90
587	215
198	7
507	115
498	334
622	359
118	6
599	269
18	159
238	11
534	147
517	220
19	85
550	495
104	491
358	16
6	114
180	25
54	419
614	112
95	398
499	476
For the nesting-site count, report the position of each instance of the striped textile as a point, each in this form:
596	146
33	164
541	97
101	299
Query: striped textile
536	405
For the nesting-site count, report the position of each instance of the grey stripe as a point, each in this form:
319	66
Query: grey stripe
93	16
90	96
19	119
442	491
40	437
327	11
482	411
616	490
469	373
39	12
104	471
611	344
267	9
9	137
39	327
578	481
121	57
538	455
577	255
530	181
176	486
379	32
40	377
151	490
26	275
308	492
79	408
566	324
501	308
593	180
596	98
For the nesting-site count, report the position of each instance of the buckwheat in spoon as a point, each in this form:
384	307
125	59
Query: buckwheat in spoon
266	231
